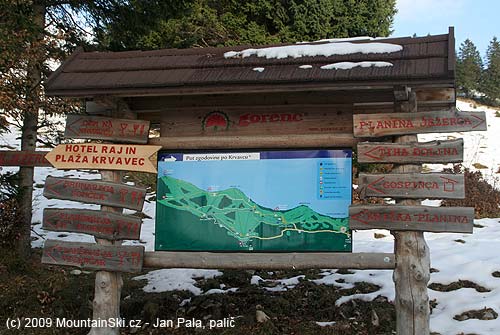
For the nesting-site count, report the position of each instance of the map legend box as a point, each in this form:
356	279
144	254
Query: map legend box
331	181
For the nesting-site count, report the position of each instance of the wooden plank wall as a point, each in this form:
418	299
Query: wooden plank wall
299	120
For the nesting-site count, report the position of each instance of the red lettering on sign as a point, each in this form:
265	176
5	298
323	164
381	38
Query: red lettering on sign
123	126
123	193
247	119
107	124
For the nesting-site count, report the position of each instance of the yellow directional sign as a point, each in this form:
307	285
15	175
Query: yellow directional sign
103	156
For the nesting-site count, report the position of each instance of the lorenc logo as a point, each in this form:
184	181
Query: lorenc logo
247	119
218	120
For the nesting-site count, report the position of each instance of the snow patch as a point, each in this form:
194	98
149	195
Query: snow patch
350	65
258	69
345	39
325	323
313	50
220	291
278	285
176	280
305	67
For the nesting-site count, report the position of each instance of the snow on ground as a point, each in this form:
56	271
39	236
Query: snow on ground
455	256
479	146
277	285
176	280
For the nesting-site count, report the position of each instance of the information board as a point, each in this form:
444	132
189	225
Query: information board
254	201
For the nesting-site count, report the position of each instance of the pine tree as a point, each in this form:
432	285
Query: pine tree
468	69
490	85
32	34
149	24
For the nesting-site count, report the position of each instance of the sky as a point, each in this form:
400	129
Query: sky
478	20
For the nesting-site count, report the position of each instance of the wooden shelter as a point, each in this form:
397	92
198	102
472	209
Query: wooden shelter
285	97
179	88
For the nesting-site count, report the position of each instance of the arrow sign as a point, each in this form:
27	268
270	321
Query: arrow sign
91	256
95	192
108	225
103	156
23	158
416	218
429	152
375	125
105	128
412	185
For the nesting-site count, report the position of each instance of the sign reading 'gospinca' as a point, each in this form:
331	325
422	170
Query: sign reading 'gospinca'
412	185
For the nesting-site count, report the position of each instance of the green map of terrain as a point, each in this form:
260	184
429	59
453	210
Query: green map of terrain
189	218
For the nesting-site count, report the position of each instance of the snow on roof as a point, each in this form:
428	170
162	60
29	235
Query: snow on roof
313	50
345	39
350	65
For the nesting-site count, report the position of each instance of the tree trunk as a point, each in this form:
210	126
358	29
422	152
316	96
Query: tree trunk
412	271
29	134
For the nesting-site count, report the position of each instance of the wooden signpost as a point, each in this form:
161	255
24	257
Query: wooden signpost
103	156
429	152
95	192
104	128
90	256
375	125
108	225
23	158
407	220
412	185
417	218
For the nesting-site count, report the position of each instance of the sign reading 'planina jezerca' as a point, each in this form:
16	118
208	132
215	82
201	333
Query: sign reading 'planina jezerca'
374	125
95	192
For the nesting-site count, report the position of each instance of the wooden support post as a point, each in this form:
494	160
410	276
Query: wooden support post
412	271
108	285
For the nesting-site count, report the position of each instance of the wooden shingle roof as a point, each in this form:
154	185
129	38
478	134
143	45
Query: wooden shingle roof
422	61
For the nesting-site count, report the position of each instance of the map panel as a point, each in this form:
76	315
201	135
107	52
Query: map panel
254	201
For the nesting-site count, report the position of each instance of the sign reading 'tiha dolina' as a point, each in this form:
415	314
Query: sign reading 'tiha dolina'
413	152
